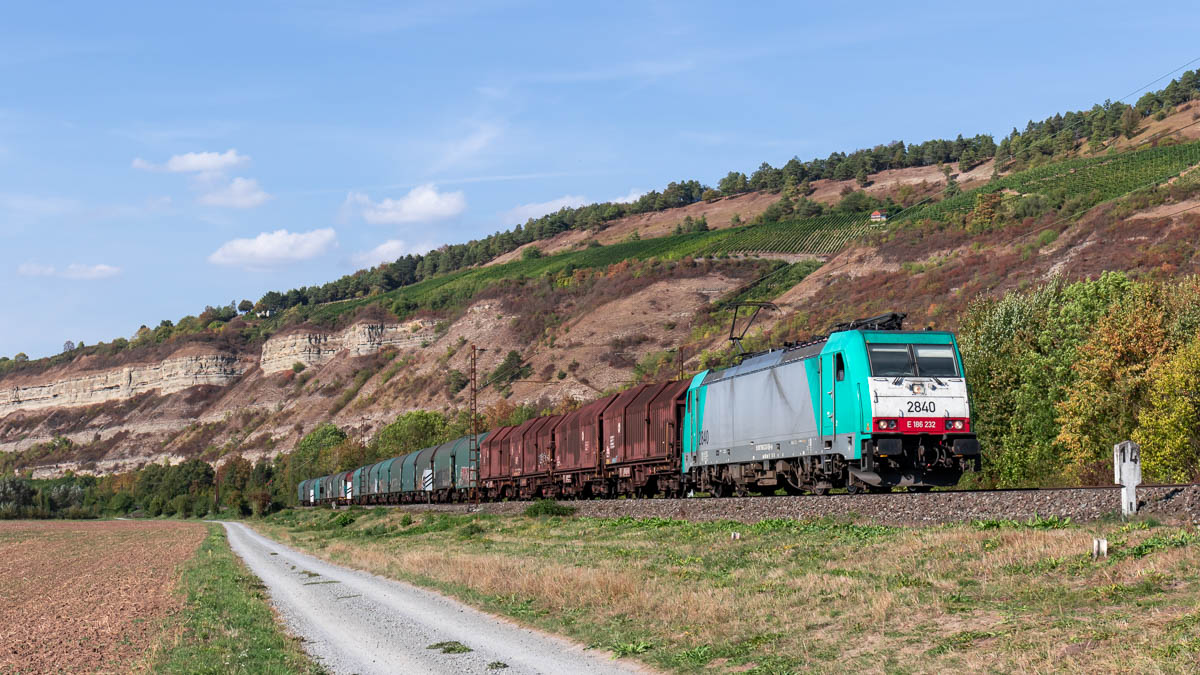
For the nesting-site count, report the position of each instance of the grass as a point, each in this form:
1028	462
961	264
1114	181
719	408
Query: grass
227	625
451	647
805	596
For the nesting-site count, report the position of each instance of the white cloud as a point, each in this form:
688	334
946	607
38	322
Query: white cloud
386	252
73	271
423	203
195	162
241	193
35	270
90	271
630	198
274	248
463	149
524	212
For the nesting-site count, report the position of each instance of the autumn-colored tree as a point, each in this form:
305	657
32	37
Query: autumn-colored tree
1168	427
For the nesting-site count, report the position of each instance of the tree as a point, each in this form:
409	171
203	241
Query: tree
245	306
511	368
1129	121
411	431
21	357
1169	426
456	381
531	253
862	177
68	346
733	183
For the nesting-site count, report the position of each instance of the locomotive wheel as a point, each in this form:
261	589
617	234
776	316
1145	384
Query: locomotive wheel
819	491
854	489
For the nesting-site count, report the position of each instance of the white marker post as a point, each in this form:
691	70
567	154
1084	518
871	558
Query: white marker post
1127	472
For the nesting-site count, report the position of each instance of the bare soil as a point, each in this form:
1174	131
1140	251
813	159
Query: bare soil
87	596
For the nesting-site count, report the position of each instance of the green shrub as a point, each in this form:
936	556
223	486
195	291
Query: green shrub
181	505
548	507
120	503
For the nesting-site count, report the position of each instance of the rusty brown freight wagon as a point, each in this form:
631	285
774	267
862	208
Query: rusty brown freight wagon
534	479
494	466
649	461
617	419
516	447
577	450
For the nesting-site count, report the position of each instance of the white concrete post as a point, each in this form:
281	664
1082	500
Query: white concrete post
1127	472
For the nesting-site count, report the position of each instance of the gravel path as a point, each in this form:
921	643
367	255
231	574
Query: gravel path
355	622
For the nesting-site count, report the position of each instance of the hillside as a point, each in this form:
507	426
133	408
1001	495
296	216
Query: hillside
598	308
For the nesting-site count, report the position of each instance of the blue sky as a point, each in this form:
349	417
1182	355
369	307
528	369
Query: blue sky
156	158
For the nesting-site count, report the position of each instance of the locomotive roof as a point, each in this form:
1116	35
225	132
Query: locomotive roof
811	348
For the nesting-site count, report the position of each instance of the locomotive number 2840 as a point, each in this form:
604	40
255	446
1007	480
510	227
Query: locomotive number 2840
921	407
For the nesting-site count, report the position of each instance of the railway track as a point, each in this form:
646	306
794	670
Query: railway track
1081	504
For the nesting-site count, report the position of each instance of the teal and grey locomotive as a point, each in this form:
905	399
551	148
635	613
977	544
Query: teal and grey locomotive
862	408
867	407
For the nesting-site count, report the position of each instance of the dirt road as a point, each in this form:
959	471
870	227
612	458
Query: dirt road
355	622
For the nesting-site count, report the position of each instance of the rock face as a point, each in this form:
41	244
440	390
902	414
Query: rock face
316	348
167	376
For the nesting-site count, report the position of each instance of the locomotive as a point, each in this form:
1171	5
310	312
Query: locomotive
868	407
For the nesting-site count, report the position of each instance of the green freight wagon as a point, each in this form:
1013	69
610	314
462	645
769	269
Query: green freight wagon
408	480
452	468
423	474
389	478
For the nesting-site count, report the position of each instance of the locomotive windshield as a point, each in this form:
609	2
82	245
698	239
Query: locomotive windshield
891	361
936	361
895	360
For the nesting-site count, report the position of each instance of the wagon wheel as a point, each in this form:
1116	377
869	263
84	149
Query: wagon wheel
854	489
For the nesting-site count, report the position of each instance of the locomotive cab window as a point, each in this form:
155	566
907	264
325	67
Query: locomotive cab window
839	367
891	361
936	361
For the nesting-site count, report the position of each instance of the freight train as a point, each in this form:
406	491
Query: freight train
868	407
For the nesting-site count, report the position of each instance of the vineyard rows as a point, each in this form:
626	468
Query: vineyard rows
824	235
1096	178
1093	179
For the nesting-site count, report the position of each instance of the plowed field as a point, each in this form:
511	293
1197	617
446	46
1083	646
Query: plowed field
87	596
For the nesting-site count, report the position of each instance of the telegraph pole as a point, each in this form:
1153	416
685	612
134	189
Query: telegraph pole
474	447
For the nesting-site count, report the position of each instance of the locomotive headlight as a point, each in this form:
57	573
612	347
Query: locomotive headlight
918	388
887	425
954	425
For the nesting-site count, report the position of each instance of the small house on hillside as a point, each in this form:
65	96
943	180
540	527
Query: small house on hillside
878	216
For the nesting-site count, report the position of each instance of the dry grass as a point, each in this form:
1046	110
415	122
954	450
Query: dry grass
804	597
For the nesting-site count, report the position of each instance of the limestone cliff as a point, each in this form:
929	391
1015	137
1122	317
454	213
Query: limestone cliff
90	388
316	348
